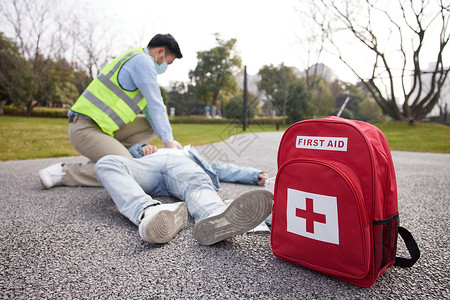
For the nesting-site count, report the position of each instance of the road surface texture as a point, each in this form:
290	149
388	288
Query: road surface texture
72	243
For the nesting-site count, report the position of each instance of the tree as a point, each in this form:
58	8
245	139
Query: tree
14	73
298	101
47	33
31	24
369	111
234	107
343	90
387	31
214	77
62	85
182	98
93	42
322	99
274	85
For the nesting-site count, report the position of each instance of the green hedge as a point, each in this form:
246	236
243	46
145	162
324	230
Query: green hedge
40	111
58	112
205	120
13	111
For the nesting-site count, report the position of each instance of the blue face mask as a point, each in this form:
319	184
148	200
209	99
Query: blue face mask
162	67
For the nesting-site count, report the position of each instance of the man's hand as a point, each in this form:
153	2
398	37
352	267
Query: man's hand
149	149
170	145
262	178
173	144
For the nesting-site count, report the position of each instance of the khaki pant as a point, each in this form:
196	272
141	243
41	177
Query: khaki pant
88	139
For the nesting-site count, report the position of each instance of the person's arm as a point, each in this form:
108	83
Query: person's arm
231	173
140	150
142	72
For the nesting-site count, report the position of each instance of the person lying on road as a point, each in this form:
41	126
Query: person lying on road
183	174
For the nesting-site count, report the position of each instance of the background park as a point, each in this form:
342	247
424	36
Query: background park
387	60
402	86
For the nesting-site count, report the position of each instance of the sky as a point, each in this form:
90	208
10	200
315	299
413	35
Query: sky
266	30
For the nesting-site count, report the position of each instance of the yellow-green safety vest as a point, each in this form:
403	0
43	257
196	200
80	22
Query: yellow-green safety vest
106	102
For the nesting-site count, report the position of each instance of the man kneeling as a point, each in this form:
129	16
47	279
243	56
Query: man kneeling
184	174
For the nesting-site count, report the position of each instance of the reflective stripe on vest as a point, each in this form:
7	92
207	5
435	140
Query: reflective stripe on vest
103	107
99	109
106	80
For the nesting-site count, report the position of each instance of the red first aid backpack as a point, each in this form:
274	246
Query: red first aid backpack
335	201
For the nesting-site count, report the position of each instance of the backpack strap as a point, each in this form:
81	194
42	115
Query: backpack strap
412	247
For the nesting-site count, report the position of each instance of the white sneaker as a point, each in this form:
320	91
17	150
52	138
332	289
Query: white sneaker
243	214
52	175
162	222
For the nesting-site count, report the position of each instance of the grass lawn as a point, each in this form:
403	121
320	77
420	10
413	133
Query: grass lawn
29	138
419	137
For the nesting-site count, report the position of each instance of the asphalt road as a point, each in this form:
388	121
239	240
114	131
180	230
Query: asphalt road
72	243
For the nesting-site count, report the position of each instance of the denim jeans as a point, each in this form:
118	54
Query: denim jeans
131	181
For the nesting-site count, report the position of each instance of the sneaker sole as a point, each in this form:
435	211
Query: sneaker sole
165	225
243	214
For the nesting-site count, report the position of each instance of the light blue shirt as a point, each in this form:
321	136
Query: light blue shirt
139	72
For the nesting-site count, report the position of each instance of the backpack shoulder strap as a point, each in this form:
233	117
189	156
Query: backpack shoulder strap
412	247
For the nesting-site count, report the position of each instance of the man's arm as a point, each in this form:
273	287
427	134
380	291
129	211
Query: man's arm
139	72
139	150
231	173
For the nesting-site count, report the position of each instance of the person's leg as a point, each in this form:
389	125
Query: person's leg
129	182
88	139
228	172
187	181
243	214
215	221
78	174
120	176
136	132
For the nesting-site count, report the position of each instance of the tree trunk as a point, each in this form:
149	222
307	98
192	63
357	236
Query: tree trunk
30	107
2	104
421	19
